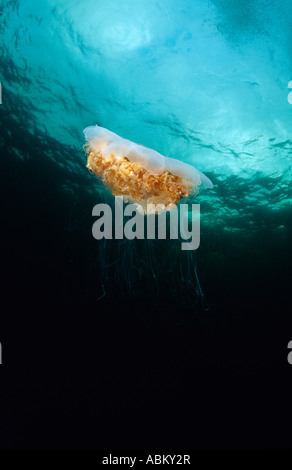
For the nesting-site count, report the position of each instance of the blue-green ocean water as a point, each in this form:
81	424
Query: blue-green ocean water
202	81
205	82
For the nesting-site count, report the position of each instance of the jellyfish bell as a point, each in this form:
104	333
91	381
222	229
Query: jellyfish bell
138	173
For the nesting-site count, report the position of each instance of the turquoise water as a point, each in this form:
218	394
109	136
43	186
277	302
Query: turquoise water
205	82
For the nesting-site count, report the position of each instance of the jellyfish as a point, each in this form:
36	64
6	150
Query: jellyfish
142	176
139	174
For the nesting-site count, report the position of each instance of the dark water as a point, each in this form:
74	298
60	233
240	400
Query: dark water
145	365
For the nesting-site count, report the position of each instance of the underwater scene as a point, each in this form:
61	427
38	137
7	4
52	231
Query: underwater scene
146	167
